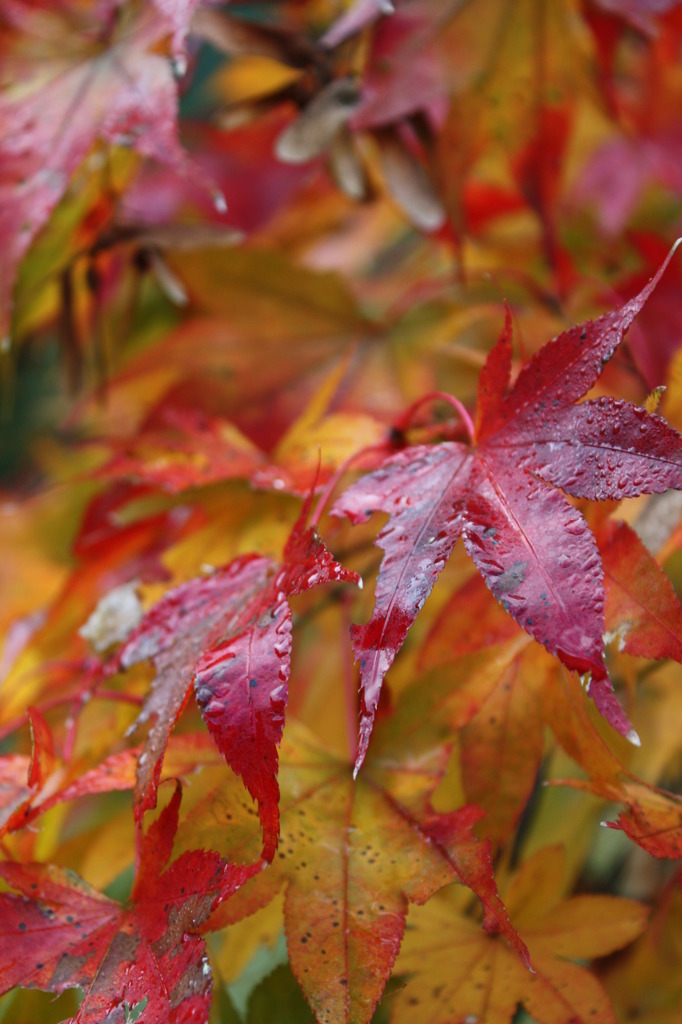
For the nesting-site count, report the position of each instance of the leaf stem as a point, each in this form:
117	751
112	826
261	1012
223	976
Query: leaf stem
392	442
383	449
404	421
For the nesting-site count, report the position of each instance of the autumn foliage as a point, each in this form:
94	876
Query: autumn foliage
341	375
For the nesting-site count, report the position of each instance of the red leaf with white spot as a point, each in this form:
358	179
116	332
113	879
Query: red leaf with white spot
185	624
533	548
229	636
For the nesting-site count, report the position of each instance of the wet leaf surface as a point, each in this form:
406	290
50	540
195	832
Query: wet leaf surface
58	932
534	549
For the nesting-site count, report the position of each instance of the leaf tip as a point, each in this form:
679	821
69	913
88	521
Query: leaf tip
360	756
673	249
634	738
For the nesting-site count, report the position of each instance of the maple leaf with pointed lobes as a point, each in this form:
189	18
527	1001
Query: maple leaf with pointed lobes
458	973
534	549
353	855
229	636
60	933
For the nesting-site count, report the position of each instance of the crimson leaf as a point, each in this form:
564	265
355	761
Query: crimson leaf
229	636
532	547
59	933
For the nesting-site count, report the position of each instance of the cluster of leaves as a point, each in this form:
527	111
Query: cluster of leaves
270	242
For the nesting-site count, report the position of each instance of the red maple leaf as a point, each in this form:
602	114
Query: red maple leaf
533	548
60	933
229	636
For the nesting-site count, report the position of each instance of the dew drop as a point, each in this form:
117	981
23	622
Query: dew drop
219	201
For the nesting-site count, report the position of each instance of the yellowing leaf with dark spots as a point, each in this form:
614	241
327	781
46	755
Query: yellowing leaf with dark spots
352	856
456	972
